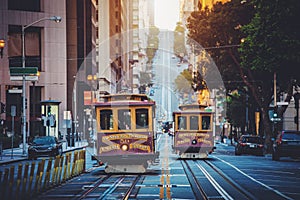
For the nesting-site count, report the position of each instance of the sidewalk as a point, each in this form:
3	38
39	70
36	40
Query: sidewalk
9	156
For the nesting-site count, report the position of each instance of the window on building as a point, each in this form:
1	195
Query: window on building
142	120
28	5
32	46
106	120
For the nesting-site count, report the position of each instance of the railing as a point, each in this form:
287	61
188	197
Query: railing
29	180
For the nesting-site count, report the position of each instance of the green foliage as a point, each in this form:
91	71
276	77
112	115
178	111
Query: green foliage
219	27
145	78
270	30
236	109
153	43
273	39
183	82
179	40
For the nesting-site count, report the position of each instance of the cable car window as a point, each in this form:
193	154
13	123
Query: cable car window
124	119
142	120
205	123
181	122
106	120
194	120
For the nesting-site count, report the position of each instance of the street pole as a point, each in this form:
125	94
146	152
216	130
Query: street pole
12	136
275	103
296	119
53	18
23	92
13	114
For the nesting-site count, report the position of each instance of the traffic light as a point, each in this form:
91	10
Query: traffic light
2	108
48	110
275	112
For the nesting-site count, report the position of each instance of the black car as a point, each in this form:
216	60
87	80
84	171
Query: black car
287	144
44	146
250	144
165	127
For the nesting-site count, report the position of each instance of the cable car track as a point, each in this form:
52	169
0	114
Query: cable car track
195	185
118	181
229	180
95	186
207	181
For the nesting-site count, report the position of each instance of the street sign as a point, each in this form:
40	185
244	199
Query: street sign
277	119
20	71
282	103
13	111
27	78
15	91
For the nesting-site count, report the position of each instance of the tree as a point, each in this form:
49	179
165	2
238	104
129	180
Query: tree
153	43
179	40
235	109
272	47
183	82
219	32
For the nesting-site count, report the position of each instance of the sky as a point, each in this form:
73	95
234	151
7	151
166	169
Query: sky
166	14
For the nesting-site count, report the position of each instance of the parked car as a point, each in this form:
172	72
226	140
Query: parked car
44	146
287	144
250	144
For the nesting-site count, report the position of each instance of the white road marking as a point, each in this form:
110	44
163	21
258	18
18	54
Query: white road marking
253	179
221	191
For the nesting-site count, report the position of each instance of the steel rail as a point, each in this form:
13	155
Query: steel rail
195	185
129	191
214	183
112	188
95	186
230	181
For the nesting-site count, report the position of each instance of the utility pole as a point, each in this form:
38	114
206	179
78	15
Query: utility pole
296	119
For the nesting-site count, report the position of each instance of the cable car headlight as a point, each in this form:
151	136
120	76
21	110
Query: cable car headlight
124	147
194	141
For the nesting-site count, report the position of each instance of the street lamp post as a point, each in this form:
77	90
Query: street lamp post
53	18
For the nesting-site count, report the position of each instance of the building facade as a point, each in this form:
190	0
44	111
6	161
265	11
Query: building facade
105	40
45	48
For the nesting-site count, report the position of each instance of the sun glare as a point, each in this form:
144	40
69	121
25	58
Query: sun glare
166	14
